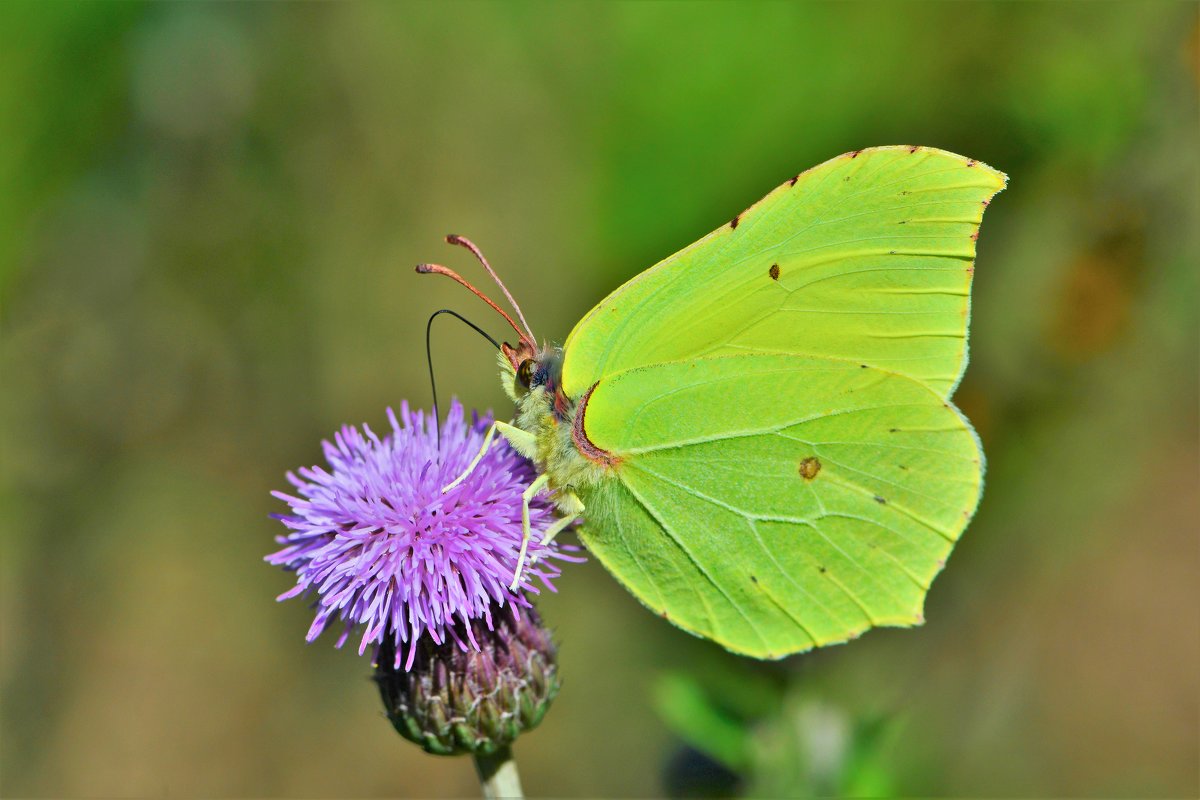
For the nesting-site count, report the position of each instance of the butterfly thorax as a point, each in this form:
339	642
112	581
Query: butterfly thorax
544	410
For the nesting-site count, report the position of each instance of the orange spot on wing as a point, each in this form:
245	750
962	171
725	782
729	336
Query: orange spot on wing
809	468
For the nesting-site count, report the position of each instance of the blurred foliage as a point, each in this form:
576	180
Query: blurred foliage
770	736
207	225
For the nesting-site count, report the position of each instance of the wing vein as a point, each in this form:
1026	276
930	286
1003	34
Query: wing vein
662	523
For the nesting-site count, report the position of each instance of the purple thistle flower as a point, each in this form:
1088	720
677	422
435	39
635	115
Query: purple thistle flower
382	547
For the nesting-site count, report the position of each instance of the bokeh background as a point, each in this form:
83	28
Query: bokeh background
208	220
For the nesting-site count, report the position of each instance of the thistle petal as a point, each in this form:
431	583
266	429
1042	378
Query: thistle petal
381	547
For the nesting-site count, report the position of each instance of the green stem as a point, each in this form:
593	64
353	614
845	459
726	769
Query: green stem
498	775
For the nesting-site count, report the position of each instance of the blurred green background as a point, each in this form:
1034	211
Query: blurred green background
209	216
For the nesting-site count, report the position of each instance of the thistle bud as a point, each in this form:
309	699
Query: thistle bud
456	699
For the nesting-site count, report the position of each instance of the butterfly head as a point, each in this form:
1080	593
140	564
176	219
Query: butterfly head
517	358
533	379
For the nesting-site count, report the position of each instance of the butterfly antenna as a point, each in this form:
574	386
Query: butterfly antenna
463	241
438	269
437	423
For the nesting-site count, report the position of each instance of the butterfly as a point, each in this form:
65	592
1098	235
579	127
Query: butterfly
757	432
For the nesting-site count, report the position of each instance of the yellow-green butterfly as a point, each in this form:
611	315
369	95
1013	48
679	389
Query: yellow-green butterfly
757	431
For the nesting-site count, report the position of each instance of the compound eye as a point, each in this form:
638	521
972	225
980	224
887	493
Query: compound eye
525	372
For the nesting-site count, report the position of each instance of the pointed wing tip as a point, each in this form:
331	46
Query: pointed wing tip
1000	178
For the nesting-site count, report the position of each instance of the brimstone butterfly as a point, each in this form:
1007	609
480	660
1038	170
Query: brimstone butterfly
757	432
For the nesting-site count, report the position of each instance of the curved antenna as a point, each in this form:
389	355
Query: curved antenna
438	269
463	241
437	420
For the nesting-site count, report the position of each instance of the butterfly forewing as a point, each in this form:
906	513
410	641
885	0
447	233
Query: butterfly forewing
866	257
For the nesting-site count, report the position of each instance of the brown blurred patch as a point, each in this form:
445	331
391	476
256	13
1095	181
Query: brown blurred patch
1124	639
1093	308
978	406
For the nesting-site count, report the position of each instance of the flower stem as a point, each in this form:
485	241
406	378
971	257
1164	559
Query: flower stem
498	775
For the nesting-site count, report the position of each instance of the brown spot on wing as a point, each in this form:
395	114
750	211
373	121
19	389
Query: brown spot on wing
809	468
582	442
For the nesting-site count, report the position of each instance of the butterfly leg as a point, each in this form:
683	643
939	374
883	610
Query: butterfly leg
526	497
558	527
571	507
521	441
487	442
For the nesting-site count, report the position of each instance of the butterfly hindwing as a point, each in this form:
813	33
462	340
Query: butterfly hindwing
775	503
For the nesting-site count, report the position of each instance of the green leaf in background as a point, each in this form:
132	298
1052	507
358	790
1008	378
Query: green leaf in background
795	746
683	704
